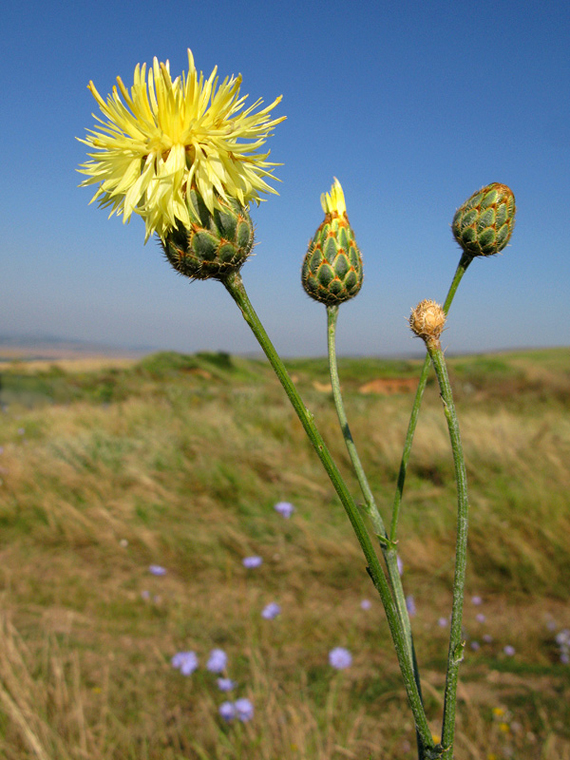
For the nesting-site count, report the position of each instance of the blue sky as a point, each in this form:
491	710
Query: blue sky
412	105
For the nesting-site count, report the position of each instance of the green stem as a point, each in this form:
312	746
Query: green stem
234	285
389	550
456	643
459	272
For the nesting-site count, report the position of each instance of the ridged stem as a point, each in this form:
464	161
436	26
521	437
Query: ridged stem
389	550
234	285
456	643
459	272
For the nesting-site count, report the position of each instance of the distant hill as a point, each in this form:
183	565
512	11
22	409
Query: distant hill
46	348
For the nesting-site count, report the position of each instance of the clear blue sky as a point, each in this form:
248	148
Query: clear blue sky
412	105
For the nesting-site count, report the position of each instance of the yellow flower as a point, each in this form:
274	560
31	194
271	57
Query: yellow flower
334	202
173	135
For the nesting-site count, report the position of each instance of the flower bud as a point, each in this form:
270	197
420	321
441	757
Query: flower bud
484	224
427	321
215	244
332	268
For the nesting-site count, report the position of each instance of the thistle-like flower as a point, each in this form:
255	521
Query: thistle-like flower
483	225
171	137
332	268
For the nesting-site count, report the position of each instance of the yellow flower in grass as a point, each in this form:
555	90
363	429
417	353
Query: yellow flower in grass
169	137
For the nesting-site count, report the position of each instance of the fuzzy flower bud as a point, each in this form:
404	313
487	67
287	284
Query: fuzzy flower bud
427	321
215	243
332	268
483	225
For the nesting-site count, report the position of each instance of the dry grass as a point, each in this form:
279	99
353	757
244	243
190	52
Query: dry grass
182	469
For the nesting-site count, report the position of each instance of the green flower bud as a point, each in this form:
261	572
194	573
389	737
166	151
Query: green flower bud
215	244
483	225
332	268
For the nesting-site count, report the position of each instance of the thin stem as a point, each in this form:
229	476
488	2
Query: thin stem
456	643
371	508
459	272
234	285
389	549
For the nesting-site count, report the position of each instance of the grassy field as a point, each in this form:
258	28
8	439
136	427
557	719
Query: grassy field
178	461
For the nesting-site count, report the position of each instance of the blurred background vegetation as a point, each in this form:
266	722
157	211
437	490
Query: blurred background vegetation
109	466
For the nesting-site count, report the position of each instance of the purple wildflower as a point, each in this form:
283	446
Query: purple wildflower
400	565
244	709
227	711
509	650
226	684
340	658
251	562
271	611
157	570
480	618
442	622
366	604
411	605
285	509
487	638
476	600
186	662
475	645
563	638
217	661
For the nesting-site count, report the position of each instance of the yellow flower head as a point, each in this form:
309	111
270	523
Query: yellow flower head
333	202
170	136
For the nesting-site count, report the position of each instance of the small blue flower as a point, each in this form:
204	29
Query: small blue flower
400	565
411	605
186	662
480	618
285	509
157	570
271	611
217	661
226	684
227	711
509	650
340	658
365	604
563	638
476	600
442	622
251	562
244	709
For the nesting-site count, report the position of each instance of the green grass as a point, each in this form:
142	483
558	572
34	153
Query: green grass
178	460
